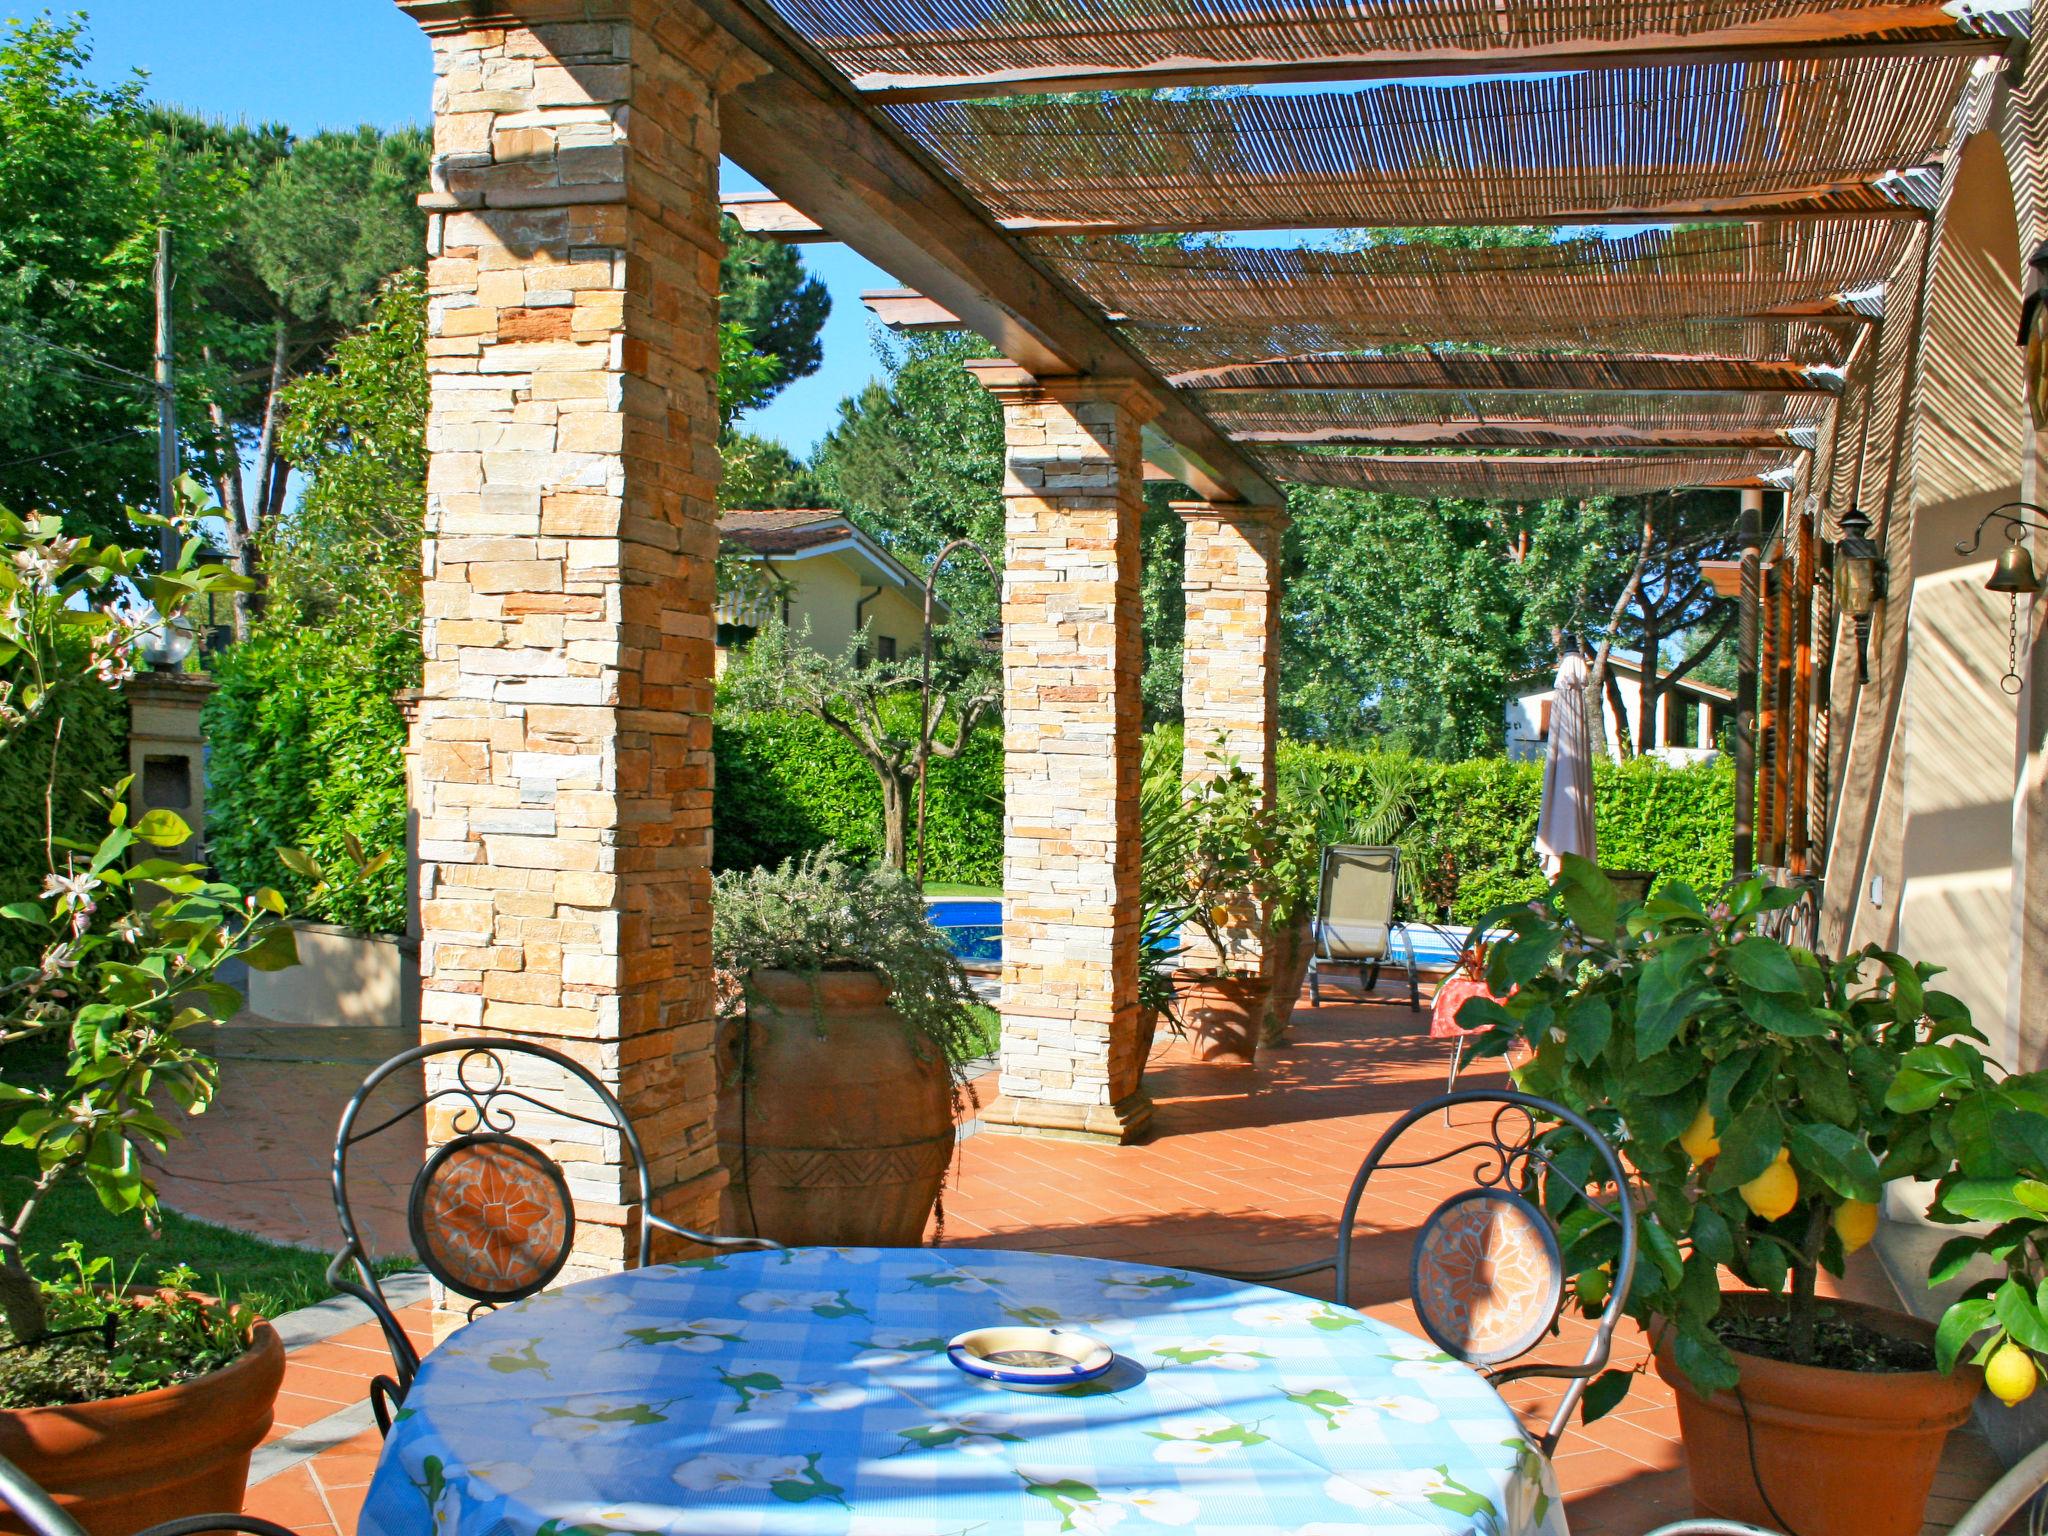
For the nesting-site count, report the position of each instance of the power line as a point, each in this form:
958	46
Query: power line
58	453
98	362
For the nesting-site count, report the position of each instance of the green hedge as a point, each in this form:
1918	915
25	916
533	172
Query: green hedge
787	783
36	785
305	746
1475	825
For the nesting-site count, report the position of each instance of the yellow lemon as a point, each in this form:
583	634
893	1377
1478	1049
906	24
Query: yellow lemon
1855	1223
2010	1374
1699	1140
1220	916
1774	1191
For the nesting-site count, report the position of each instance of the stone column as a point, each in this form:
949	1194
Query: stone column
1072	728
1230	664
564	728
167	753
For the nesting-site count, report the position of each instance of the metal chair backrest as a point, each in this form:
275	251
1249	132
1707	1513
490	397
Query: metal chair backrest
1506	1217
44	1516
490	1212
1355	908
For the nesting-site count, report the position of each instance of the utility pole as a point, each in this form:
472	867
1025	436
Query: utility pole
166	401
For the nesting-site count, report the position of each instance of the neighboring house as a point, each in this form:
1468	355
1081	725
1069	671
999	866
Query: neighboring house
827	572
1690	714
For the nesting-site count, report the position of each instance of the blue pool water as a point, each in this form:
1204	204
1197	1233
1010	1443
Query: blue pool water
974	924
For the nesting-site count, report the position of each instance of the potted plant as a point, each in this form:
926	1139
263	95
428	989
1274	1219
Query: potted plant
1166	825
1998	1127
128	1405
1232	886
845	1022
1755	1090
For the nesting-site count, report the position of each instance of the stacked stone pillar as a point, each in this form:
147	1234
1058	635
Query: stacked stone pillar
564	726
1230	673
1072	728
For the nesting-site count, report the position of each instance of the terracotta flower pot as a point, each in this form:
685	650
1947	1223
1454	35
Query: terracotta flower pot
847	1129
1840	1453
1223	1015
126	1462
1292	948
1148	1036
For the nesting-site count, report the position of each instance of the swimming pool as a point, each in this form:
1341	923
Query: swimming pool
974	925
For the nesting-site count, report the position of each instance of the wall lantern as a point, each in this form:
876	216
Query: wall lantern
2014	575
1859	581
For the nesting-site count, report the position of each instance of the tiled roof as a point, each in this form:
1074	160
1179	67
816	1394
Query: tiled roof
784	531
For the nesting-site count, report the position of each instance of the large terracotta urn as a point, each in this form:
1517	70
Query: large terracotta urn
1292	946
123	1463
1223	1014
835	1121
1837	1453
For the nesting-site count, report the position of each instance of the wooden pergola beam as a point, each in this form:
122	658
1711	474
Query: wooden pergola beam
1863	32
770	218
799	130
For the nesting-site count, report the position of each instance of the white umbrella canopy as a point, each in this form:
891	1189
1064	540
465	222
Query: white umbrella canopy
1565	822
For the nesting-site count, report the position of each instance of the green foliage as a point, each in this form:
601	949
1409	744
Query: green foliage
778	308
44	790
789	783
81	180
1668	1019
347	556
818	912
308	751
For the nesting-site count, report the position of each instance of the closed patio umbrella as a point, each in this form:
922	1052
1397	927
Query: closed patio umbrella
1565	822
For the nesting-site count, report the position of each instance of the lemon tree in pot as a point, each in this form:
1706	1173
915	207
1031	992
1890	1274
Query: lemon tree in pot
129	1404
1752	1087
846	1021
1235	878
1998	1127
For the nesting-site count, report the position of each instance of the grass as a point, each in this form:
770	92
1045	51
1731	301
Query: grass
944	888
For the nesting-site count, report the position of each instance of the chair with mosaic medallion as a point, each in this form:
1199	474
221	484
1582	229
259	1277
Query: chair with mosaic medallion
1549	1198
490	1214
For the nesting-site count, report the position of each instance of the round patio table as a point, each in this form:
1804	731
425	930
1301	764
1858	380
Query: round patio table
809	1391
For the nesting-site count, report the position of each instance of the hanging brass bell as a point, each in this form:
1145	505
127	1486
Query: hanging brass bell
2014	572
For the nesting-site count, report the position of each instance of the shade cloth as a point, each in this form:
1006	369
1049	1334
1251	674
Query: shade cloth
1565	822
809	1391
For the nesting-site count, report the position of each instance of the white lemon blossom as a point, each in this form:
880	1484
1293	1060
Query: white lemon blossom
1164	1506
1395	1485
1277	1314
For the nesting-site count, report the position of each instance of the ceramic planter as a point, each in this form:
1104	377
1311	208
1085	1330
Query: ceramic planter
127	1462
1839	1453
1223	1014
1292	948
837	1135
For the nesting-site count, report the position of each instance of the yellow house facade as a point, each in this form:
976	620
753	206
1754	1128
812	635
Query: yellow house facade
828	576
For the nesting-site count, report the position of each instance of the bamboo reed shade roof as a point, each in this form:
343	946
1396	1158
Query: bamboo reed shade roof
1504	476
1422	292
1503	371
1821	134
1618	417
874	41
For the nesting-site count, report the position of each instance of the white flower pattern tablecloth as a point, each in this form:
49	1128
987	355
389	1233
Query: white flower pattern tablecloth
808	1392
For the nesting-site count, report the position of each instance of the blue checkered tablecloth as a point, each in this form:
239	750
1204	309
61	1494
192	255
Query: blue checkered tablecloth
809	1392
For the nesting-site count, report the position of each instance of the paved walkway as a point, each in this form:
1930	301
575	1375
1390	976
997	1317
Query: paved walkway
1248	1169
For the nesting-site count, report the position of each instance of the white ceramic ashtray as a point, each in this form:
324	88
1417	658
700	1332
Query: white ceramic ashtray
1030	1359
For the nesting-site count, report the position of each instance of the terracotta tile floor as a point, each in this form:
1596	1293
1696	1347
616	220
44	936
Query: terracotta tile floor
1247	1169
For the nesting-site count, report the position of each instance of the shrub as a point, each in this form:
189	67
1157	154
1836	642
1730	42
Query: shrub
42	791
306	749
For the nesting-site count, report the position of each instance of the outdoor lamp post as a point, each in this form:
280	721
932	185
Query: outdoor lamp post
1859	581
924	707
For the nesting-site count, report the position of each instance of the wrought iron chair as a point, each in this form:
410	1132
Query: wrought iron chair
1502	1222
44	1516
490	1213
1987	1517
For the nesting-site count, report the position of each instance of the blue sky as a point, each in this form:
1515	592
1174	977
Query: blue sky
317	64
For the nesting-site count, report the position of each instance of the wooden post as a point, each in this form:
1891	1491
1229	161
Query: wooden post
1799	712
1749	534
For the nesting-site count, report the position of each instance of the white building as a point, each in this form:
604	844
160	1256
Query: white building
1690	714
